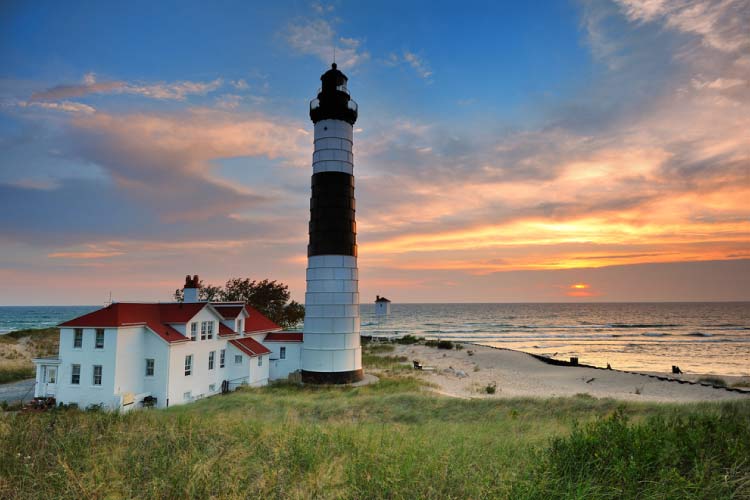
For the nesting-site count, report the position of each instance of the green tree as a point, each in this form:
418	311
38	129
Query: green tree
271	298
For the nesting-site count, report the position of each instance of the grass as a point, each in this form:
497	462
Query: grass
19	347
388	440
700	455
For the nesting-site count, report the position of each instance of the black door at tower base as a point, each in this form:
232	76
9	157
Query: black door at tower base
348	377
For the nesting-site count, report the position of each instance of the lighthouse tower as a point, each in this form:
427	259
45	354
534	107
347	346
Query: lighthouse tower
331	352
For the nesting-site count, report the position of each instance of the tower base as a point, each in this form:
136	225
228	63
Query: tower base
325	378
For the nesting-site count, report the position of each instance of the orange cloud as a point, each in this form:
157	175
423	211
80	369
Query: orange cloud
83	255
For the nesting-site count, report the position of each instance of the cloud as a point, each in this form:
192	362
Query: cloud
660	177
158	178
228	101
84	255
318	38
67	106
720	24
240	84
165	91
416	62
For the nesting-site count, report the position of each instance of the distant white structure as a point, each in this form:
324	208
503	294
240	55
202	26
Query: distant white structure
382	306
167	353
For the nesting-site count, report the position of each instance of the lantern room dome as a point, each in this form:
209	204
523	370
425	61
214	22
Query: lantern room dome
333	101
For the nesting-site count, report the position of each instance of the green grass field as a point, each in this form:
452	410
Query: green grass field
389	440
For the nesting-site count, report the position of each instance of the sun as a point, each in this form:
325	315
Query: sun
580	286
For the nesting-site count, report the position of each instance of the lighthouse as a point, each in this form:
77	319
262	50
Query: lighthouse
331	352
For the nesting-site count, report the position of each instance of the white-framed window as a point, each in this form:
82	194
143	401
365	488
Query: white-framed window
282	353
211	357
210	330
222	357
238	359
97	375
212	388
75	374
187	396
99	338
193	331
149	367
77	338
188	364
260	360
204	329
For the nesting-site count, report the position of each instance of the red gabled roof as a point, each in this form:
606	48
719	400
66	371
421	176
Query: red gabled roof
250	346
283	337
156	316
229	311
256	322
224	330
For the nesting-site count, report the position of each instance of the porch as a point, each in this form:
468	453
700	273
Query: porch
47	374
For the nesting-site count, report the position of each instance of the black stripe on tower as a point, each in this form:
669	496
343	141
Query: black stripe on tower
333	230
347	377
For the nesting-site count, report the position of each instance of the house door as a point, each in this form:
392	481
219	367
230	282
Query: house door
50	380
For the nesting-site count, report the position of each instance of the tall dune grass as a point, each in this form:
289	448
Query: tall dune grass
389	440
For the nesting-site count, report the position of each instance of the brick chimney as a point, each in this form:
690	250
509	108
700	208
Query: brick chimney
190	290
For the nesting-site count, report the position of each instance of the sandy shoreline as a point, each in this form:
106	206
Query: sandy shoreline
465	374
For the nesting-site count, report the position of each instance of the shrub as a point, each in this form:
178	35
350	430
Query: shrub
5	406
431	343
491	388
444	344
459	347
408	340
374	348
719	382
14	373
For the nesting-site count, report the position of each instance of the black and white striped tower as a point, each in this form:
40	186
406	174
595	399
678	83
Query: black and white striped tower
331	352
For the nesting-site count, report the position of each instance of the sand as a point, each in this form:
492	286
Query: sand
517	374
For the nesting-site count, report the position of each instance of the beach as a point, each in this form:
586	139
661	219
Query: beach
467	372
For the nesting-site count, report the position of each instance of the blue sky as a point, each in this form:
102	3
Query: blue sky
501	147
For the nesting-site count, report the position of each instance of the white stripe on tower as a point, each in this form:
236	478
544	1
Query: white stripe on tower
333	147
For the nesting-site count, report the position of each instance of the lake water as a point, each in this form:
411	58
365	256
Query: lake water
698	337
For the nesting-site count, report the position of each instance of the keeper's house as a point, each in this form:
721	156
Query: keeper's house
165	353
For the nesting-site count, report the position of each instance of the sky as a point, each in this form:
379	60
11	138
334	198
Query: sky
560	151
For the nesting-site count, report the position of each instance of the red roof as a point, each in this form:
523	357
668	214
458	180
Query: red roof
256	322
224	330
229	311
283	337
156	316
250	346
